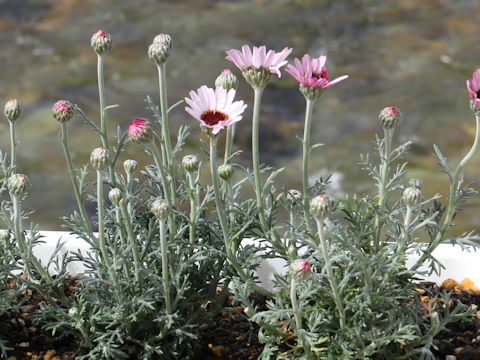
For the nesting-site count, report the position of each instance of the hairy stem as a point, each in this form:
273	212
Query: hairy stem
337	297
229	142
76	189
131	238
306	158
13	151
452	197
193	207
101	220
255	157
165	278
297	312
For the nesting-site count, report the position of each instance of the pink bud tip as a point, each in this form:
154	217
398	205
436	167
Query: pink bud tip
303	265
61	106
226	71
136	125
393	110
101	33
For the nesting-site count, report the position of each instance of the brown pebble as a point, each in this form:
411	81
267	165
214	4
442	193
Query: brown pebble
449	284
47	340
218	350
12	358
56	358
225	314
49	354
239	308
424	299
467	284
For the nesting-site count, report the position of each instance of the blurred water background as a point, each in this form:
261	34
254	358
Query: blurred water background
413	54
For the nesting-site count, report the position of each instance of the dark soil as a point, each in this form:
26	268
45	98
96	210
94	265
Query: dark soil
227	335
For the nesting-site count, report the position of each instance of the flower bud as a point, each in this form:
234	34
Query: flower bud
115	195
130	166
12	110
159	50
412	196
101	42
292	251
225	171
62	110
5	235
100	158
73	312
320	206
416	183
160	208
300	268
390	117
227	80
311	93
190	163
18	184
139	130
294	196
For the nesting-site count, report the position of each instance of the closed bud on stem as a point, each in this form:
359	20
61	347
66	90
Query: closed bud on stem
73	312
416	183
292	251
115	195
18	184
12	110
225	171
5	235
300	268
227	80
160	208
412	196
130	166
294	196
101	42
190	163
390	117
159	50
321	206
100	158
62	110
312	93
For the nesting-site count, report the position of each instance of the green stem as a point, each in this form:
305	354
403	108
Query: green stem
255	156
13	151
162	84
451	198
101	220
306	158
221	215
131	238
384	178
193	207
165	280
229	142
166	193
298	315
78	195
28	257
406	225
337	297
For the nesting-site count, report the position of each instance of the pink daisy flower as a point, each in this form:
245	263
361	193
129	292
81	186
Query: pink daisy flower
473	86
259	58
214	109
312	72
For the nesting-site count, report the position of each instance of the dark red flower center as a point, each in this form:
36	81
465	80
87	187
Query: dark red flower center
323	74
478	94
211	117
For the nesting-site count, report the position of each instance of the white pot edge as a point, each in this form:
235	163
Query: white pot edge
458	263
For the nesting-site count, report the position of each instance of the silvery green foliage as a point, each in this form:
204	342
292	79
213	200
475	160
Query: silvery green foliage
383	317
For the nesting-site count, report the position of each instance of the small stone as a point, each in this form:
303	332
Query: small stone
450	357
24	344
449	284
421	291
49	354
467	284
12	358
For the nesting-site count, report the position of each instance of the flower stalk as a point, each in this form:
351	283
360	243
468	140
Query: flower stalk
73	177
306	159
337	297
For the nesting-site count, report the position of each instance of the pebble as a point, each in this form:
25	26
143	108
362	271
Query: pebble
451	357
49	355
